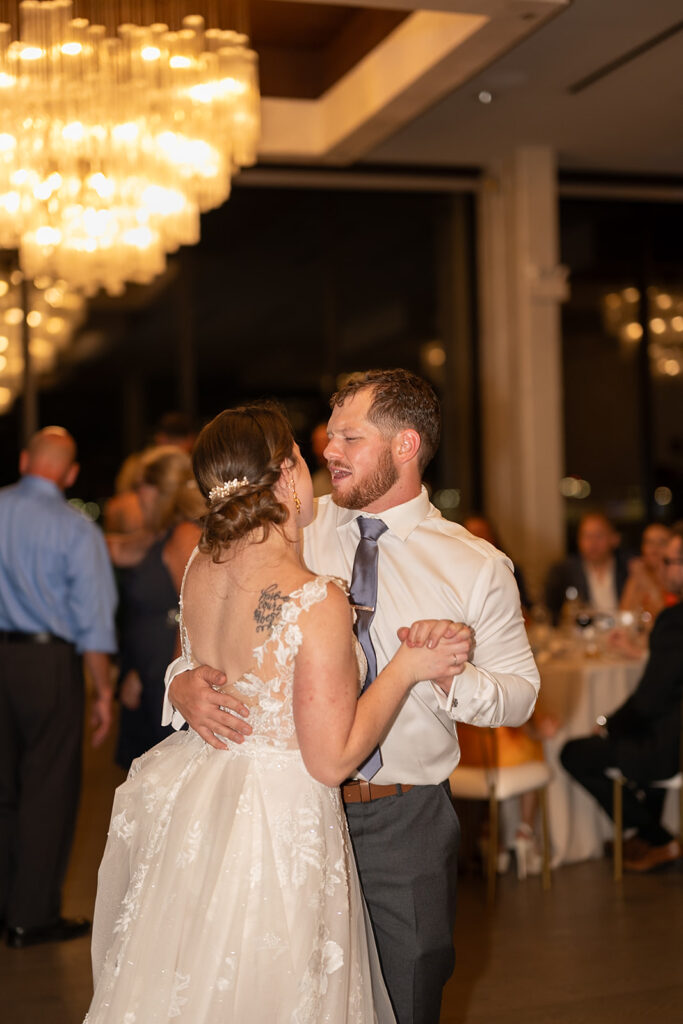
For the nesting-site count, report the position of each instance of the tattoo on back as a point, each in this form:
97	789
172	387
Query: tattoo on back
268	609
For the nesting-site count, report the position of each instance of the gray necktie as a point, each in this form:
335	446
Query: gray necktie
363	594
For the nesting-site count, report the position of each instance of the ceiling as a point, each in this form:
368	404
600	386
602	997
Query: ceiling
547	91
392	82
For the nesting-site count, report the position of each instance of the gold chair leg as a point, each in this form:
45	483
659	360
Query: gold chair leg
618	815
493	845
543	798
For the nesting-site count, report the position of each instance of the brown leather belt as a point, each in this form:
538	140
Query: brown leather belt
358	791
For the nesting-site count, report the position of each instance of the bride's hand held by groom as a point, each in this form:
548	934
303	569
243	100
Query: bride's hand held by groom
456	636
194	693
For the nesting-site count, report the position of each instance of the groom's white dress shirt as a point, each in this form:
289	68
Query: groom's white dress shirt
430	568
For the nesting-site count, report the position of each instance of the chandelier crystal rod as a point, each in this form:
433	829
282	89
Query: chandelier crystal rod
111	147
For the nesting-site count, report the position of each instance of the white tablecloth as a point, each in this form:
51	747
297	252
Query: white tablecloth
576	691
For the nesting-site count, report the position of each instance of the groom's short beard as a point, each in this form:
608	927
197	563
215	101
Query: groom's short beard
373	487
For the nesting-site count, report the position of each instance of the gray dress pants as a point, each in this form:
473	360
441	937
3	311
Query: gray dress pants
406	849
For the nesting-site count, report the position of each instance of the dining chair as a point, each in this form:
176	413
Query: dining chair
618	782
493	784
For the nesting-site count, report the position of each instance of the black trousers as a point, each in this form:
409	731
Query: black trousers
406	849
586	760
41	723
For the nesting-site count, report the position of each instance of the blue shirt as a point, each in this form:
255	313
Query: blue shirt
55	573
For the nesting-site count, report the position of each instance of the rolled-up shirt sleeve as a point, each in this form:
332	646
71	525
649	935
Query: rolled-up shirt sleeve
169	715
91	592
501	683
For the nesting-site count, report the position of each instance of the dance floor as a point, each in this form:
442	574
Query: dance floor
587	952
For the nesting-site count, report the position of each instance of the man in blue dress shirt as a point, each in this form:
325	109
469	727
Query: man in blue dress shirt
57	604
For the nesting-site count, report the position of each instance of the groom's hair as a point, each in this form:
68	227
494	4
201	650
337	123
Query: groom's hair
400	399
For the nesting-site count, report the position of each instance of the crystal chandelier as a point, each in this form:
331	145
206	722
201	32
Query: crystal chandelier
110	148
53	313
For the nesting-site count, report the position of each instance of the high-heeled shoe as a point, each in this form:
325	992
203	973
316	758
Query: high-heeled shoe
529	857
502	857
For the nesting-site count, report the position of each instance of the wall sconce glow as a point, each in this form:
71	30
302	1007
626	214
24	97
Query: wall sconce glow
632	331
448	499
574	487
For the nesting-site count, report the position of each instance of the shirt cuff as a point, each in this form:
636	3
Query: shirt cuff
446	701
169	715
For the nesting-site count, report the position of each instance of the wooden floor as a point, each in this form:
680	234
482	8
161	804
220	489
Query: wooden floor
587	952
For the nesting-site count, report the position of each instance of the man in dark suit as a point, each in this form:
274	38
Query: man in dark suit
597	573
642	737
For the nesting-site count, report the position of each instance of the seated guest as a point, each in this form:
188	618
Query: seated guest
597	573
642	737
645	590
483	528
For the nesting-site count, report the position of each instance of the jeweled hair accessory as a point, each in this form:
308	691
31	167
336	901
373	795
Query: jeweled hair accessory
226	489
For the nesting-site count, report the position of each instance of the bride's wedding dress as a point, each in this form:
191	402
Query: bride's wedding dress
228	890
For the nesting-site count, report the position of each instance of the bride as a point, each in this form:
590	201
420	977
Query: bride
228	889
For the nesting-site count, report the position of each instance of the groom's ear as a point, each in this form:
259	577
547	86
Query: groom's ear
406	445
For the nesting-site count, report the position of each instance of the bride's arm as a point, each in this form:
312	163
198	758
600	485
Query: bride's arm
336	729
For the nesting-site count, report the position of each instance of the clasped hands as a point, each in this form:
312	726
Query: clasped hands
194	693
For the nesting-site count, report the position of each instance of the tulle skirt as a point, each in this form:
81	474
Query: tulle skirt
228	893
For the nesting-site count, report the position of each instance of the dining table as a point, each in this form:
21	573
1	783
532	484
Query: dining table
575	689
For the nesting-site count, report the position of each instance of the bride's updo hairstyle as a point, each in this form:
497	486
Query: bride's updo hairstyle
236	460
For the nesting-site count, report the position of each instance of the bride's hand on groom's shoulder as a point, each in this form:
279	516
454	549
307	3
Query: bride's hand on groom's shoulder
194	694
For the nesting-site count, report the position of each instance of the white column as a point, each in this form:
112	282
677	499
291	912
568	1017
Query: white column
521	288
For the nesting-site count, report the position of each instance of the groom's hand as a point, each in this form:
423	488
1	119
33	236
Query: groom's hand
192	693
459	637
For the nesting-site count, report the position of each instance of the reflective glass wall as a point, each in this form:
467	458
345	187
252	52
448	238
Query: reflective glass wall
623	360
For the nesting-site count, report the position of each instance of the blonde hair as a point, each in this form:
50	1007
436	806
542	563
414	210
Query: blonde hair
169	470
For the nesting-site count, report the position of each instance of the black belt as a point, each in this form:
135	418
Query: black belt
13	636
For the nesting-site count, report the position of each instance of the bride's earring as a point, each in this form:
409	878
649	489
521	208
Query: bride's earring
295	496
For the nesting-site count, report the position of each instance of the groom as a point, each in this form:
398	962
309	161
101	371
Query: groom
383	431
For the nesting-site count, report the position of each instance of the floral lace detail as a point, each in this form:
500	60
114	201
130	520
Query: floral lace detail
190	849
180	983
228	889
326	958
182	629
267	689
122	828
227	979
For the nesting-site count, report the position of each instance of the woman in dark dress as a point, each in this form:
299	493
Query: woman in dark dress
152	564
